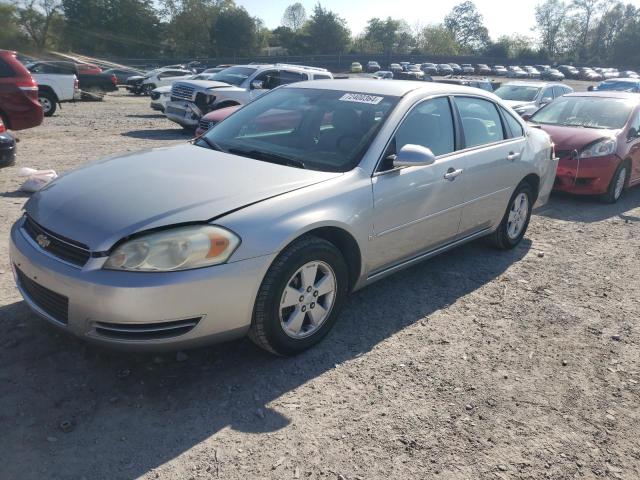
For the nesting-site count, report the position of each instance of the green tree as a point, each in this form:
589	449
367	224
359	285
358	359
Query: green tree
467	26
295	16
11	36
234	32
550	19
439	41
189	27
36	17
326	32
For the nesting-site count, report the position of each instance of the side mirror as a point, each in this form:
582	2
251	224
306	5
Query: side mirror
546	100
632	134
526	117
257	85
414	156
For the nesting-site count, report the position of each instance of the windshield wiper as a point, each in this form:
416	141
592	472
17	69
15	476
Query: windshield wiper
210	143
269	157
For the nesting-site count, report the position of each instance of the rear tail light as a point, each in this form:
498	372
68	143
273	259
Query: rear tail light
29	87
2	127
114	80
76	84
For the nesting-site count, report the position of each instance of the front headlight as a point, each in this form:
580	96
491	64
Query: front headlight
600	148
181	248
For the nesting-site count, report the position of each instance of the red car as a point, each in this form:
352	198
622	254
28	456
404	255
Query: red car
89	68
597	137
211	118
19	106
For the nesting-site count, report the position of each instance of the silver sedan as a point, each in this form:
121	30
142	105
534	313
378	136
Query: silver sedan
266	223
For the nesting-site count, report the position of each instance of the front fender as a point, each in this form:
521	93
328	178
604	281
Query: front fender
345	202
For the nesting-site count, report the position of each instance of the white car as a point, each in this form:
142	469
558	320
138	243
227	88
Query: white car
55	85
162	95
162	78
238	85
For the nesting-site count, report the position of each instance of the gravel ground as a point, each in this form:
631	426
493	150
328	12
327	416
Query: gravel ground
475	365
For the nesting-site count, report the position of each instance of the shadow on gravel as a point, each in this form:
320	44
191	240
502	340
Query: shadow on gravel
133	413
576	208
164	134
149	115
16	194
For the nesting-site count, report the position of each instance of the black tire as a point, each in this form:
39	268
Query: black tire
500	238
146	89
266	330
48	102
611	195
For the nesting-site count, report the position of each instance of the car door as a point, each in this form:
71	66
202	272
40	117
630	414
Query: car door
269	79
489	159
416	209
289	76
633	148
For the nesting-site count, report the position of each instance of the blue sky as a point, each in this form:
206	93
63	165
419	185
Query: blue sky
501	16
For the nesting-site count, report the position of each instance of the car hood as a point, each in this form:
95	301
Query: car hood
101	203
575	138
517	103
206	84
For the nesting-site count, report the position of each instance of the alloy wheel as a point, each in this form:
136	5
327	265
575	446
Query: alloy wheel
518	215
307	299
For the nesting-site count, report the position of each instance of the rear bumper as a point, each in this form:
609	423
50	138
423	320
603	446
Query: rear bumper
23	112
586	176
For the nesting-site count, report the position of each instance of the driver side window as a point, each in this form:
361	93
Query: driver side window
430	124
269	79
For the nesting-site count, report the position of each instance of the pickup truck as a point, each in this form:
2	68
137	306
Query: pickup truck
54	86
238	85
95	83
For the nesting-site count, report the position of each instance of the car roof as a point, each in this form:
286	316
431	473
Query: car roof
531	84
606	94
371	86
624	80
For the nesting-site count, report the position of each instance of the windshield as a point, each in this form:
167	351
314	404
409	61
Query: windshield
519	93
233	75
589	112
617	86
326	130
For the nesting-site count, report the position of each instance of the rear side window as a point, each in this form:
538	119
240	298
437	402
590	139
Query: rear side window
514	125
5	70
430	124
558	91
321	76
480	121
287	77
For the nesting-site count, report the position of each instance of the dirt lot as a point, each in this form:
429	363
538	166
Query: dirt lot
475	365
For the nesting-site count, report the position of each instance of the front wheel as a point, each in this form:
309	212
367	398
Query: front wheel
614	191
516	219
300	297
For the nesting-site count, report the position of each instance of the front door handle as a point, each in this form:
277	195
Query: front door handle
513	156
452	174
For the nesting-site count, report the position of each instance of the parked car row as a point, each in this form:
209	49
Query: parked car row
189	98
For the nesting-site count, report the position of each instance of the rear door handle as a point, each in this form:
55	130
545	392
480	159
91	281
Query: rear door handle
513	156
452	174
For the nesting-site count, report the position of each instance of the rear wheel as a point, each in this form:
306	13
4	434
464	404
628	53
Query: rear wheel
516	219
616	186
48	103
146	89
300	297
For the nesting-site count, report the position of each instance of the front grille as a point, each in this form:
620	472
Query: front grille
54	304
182	92
60	247
206	125
146	331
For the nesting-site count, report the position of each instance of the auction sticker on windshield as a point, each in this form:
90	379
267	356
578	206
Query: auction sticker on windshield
361	98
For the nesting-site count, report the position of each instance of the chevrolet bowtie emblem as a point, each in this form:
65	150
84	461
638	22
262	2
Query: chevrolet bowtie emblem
43	241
